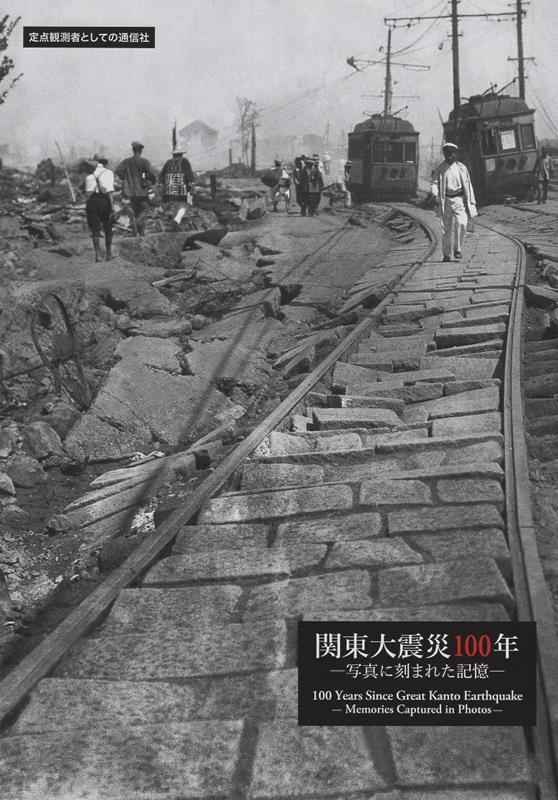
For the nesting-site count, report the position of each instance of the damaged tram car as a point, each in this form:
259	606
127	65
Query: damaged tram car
496	138
384	154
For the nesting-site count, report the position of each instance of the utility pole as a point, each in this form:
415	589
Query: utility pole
520	61
388	86
455	57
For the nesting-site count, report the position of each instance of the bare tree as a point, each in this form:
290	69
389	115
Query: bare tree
7	65
247	116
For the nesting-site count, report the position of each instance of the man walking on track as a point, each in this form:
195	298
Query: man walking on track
139	178
455	200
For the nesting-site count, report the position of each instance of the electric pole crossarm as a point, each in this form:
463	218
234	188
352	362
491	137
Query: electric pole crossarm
410	20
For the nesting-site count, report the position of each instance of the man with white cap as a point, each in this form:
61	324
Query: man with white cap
455	200
138	177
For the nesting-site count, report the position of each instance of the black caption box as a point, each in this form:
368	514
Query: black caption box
417	673
62	36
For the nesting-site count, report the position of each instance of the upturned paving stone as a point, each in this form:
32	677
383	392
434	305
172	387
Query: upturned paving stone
256	475
364	401
326	418
188	760
282	503
287	599
394	493
444	518
450	426
278	443
426	756
481	317
426	375
343	441
463	368
169	653
348	527
461	335
430	466
494	295
490	543
311	761
146	609
466	612
470	490
414	413
193	538
448	581
393	345
463	440
378	553
456	387
432	322
238	563
466	402
375	360
489	349
409	394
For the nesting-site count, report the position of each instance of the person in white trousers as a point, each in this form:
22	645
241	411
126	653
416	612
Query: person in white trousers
455	200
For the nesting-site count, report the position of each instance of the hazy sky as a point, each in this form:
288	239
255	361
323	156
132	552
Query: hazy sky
287	55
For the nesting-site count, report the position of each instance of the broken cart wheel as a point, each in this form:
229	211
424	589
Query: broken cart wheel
54	338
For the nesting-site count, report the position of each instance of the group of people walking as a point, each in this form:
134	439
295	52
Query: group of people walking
308	180
138	187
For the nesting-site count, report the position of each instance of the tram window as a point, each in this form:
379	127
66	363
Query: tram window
489	142
394	152
527	136
378	152
410	151
508	139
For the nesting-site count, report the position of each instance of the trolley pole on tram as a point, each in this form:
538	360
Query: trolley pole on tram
388	87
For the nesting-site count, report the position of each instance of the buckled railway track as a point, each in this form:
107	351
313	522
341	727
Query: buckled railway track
390	484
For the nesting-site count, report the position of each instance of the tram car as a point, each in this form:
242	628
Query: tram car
384	153
496	137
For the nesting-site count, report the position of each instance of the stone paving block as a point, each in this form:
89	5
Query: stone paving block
138	610
221	564
287	599
381	361
378	439
470	490
330	529
483	451
420	466
61	704
256	475
444	518
395	345
282	503
279	443
415	413
426	756
311	761
466	402
451	443
458	612
259	696
462	367
328	418
194	538
492	793
480	315
462	335
169	653
434	321
189	760
456	387
365	401
493	295
394	493
440	375
413	297
350	375
378	553
451	426
489	543
342	441
448	581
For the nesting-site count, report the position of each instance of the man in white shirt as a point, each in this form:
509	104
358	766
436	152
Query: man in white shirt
99	186
455	200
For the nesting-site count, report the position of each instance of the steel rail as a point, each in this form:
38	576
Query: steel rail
531	593
43	658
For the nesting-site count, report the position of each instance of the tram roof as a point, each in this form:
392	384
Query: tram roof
384	123
488	106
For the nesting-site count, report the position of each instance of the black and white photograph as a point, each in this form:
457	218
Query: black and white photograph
278	400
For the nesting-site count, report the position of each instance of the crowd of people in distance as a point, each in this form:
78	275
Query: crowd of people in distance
308	178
